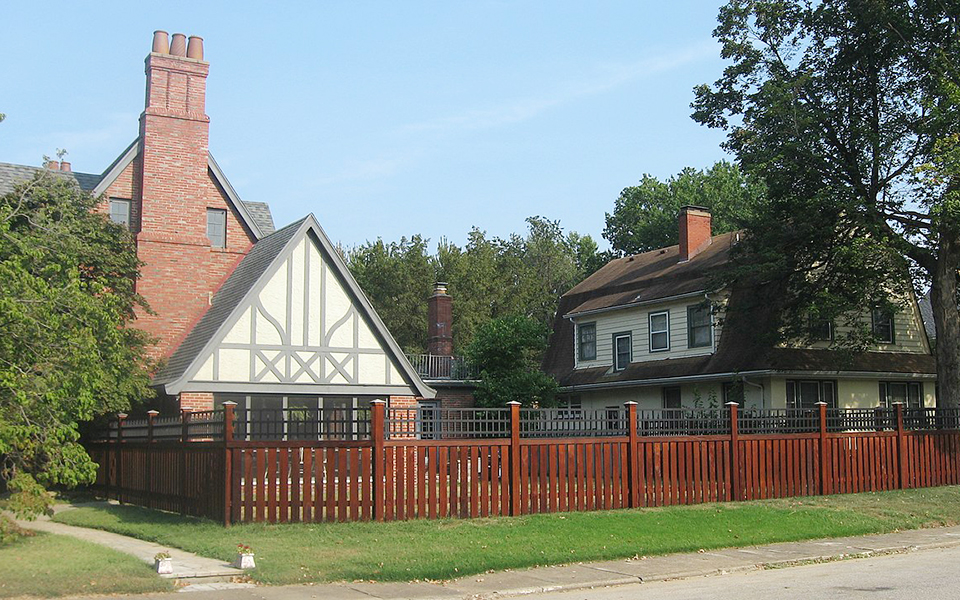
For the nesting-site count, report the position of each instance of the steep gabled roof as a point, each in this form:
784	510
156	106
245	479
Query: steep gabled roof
247	280
256	216
11	175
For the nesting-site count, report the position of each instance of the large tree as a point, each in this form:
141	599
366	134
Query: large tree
644	217
847	110
67	354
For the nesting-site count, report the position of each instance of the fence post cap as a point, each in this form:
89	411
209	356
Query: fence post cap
513	402
896	403
121	415
378	401
229	403
629	403
153	413
821	402
731	403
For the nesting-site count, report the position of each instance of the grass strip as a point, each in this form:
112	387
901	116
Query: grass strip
434	550
46	565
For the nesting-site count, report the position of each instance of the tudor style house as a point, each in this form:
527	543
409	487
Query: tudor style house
242	312
650	329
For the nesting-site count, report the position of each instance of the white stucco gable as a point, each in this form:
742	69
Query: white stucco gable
302	326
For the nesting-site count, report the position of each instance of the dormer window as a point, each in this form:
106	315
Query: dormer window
659	331
699	334
587	341
882	325
621	351
217	227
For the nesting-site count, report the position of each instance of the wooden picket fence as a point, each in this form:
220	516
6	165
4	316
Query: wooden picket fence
396	477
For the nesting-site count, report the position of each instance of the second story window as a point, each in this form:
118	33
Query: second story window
821	330
587	341
698	326
621	351
882	324
659	331
120	211
217	227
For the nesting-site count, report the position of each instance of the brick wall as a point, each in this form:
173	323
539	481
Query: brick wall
196	401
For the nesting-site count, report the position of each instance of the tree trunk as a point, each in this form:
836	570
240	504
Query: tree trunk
943	298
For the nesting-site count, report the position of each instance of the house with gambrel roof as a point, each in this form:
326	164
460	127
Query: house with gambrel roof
243	312
652	328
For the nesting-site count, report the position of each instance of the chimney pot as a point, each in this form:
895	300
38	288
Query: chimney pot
65	166
52	165
161	42
440	288
195	47
178	47
695	231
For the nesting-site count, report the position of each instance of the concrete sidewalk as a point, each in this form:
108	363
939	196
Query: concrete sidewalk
189	569
542	579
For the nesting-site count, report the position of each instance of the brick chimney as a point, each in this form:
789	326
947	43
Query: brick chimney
174	197
440	322
174	131
695	234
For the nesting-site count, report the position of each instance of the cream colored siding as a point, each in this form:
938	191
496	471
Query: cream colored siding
851	393
909	336
692	395
636	321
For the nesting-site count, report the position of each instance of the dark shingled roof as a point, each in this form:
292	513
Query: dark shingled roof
228	297
260	211
11	175
744	346
926	313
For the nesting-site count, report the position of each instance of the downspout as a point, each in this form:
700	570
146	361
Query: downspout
758	386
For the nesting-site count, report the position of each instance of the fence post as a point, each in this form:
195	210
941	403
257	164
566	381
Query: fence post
736	485
151	416
901	446
184	436
121	417
514	458
378	435
228	462
633	454
824	464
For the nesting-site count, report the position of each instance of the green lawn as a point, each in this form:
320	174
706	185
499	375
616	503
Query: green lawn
47	565
451	548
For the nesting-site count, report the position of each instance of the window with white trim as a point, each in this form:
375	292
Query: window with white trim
659	331
882	324
120	211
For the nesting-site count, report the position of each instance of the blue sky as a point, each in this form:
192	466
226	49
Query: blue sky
385	119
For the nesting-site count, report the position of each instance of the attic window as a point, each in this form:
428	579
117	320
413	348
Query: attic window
217	227
120	211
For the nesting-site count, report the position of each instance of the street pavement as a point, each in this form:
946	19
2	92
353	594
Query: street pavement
206	577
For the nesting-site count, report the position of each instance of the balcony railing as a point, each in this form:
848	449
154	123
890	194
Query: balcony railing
431	366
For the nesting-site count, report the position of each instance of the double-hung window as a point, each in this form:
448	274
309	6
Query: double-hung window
821	330
621	351
698	326
882	324
659	331
587	341
217	227
120	211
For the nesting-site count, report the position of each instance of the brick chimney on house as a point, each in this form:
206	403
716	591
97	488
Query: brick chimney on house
695	233
175	198
440	322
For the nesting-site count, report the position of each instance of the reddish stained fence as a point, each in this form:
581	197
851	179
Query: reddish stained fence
395	477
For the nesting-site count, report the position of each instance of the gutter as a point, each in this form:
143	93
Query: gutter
634	304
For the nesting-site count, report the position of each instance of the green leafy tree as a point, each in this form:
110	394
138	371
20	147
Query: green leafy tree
644	217
67	354
847	111
397	277
507	350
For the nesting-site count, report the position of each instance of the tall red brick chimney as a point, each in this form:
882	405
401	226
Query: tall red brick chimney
440	322
695	233
176	202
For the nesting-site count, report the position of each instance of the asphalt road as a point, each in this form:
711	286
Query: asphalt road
924	575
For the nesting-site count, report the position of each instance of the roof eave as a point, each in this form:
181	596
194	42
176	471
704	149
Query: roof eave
596	311
234	197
